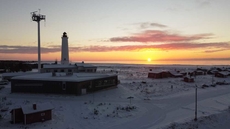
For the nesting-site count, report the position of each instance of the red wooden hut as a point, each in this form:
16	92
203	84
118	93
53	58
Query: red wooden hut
187	79
32	113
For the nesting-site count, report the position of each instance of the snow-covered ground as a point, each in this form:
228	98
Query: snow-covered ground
156	103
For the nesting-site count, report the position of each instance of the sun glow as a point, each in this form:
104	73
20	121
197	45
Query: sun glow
149	60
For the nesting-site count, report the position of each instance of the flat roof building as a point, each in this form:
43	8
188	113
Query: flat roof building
63	83
77	67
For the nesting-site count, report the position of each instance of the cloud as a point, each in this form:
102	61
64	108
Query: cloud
207	47
145	25
216	50
159	36
195	59
203	3
28	49
166	47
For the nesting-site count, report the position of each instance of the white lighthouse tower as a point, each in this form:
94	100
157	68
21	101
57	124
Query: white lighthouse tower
64	49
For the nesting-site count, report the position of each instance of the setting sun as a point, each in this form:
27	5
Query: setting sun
149	59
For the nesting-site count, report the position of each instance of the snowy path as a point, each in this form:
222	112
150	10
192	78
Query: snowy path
155	115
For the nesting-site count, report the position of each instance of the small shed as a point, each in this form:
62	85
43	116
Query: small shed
32	113
214	71
187	79
200	72
222	74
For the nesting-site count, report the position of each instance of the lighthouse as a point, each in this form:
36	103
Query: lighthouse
64	49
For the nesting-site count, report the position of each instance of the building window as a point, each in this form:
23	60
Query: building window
43	114
106	82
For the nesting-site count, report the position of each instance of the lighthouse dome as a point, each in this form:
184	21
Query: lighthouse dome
64	34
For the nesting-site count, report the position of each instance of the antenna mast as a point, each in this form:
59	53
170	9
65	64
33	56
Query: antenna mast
38	17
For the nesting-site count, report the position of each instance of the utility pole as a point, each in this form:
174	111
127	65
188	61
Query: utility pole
195	119
38	17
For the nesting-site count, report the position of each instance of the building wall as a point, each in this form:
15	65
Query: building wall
220	75
75	70
153	75
186	79
17	115
62	87
49	70
159	75
97	84
37	86
105	83
200	73
38	117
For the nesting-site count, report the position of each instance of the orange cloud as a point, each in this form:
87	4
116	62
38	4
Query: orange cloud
208	48
165	47
159	36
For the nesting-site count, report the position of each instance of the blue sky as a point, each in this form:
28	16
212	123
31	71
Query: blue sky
94	23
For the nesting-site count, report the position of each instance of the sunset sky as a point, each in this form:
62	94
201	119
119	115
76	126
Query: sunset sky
117	30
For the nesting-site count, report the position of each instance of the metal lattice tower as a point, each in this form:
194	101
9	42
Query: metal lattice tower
38	17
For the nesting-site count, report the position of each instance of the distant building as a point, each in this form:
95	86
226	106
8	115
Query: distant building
163	74
63	83
199	72
32	113
77	67
187	79
202	69
158	74
222	74
212	71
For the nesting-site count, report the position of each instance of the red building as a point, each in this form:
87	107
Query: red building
159	74
32	113
222	74
187	79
